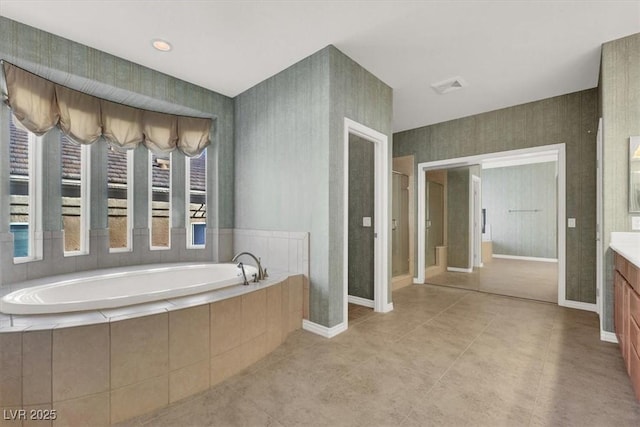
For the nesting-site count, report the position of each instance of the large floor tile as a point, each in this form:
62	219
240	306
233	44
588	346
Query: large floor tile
217	407
572	408
394	323
458	401
357	396
562	376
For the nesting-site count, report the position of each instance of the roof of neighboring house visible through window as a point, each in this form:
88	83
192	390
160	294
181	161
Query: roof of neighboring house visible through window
117	164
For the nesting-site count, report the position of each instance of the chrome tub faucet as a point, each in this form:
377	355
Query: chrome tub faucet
262	273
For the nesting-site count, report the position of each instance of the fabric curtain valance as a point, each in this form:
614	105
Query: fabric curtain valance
39	104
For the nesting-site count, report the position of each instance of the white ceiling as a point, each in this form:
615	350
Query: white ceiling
509	53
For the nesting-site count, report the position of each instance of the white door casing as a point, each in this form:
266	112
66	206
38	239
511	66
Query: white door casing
382	220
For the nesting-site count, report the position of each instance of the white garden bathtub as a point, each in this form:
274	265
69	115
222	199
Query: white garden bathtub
110	288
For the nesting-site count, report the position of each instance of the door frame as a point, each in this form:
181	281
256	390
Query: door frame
604	335
476	209
381	221
560	151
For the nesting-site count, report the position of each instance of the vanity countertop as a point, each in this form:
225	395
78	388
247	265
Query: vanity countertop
627	244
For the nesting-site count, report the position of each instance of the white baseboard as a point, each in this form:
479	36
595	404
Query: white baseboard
323	331
579	305
608	337
361	301
388	307
417	281
460	270
525	258
400	282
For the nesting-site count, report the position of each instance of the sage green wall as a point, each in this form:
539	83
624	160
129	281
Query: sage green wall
35	49
5	216
570	119
82	66
620	106
282	163
99	189
52	188
360	96
458	217
141	180
178	182
522	187
290	159
361	204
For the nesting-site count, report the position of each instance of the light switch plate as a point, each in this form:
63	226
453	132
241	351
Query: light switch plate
572	223
635	222
366	221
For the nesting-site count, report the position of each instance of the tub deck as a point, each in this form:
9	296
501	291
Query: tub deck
34	322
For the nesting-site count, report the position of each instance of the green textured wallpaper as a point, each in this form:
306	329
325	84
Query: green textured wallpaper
620	106
38	50
360	96
361	204
290	159
458	181
521	208
282	163
104	75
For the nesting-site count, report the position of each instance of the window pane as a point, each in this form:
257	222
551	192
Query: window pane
197	198
20	240
19	189
117	173
160	200
71	194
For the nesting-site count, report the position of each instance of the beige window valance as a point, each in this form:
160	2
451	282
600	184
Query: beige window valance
39	104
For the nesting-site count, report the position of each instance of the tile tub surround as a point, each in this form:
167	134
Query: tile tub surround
131	364
279	250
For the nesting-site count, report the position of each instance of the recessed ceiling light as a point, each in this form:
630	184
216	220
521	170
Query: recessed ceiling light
161	45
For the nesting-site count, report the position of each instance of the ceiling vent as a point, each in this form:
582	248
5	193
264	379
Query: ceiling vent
449	85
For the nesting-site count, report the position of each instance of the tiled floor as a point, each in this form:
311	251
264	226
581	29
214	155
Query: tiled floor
358	313
445	356
524	279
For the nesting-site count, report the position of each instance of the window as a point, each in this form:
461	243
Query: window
196	200
25	177
160	201
20	239
75	196
120	203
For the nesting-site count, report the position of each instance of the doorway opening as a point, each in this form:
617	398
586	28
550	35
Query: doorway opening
558	152
366	248
402	221
436	235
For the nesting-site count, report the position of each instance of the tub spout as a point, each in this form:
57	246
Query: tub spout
262	273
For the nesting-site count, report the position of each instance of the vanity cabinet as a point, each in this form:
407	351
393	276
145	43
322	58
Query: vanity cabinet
626	304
